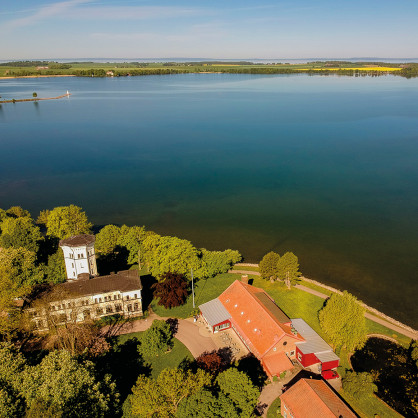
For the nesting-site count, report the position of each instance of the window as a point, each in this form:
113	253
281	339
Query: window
127	297
135	296
100	299
72	265
129	308
136	307
292	353
299	357
284	342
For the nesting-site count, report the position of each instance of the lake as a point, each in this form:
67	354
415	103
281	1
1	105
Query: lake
324	166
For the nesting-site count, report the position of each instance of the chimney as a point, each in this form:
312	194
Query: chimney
244	278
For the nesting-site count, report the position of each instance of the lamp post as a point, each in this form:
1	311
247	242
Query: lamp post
191	271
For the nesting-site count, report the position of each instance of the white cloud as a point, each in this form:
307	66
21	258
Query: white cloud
44	12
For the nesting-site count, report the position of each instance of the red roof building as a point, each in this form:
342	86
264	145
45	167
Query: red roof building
261	325
310	398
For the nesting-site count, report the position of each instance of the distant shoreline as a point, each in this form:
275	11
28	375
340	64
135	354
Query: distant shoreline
37	76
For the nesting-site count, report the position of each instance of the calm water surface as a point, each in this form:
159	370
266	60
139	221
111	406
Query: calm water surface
325	167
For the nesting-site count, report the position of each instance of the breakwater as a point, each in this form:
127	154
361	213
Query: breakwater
35	99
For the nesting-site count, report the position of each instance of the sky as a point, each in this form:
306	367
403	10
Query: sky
235	29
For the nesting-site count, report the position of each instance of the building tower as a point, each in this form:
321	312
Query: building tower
79	256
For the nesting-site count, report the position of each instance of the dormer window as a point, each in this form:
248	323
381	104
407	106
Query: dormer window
236	305
248	320
255	329
242	313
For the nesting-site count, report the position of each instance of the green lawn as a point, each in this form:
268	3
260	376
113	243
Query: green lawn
171	360
375	328
205	290
274	410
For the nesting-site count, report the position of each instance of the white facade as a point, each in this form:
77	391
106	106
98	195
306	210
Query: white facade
79	259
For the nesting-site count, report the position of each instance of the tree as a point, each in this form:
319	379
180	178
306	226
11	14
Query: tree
238	387
34	95
43	217
342	320
20	232
156	340
163	254
414	351
3	214
17	212
63	384
211	362
288	269
66	221
359	385
268	266
12	364
204	404
18	274
161	397
172	290
131	238
107	239
55	270
218	262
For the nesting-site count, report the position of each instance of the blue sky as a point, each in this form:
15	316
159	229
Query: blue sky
212	29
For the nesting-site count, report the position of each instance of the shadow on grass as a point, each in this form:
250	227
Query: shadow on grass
147	291
125	364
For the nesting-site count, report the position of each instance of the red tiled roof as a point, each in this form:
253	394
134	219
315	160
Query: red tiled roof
257	323
310	398
277	363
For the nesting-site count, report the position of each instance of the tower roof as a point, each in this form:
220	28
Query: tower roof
77	240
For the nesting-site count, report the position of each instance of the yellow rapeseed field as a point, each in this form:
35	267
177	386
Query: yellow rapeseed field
354	68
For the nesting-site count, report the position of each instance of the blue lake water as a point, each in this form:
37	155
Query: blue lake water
325	167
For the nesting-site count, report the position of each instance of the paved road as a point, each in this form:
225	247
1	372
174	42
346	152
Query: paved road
187	333
269	393
381	321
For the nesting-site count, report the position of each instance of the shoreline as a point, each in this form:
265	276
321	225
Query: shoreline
372	310
37	76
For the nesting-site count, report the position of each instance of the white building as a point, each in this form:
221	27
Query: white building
82	300
85	295
79	256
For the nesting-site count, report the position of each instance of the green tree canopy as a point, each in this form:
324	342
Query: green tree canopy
20	232
3	214
66	221
156	340
161	397
238	388
288	268
64	384
218	262
18	274
359	385
107	239
268	266
204	404
342	319
55	270
131	238
163	254
17	212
